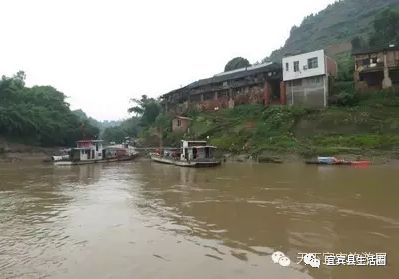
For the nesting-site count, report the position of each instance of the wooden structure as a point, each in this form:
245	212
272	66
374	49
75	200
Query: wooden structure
259	84
376	68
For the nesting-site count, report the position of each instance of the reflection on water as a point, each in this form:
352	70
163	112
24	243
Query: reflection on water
148	220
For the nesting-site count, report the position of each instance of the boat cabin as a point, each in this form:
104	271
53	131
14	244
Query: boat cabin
196	150
87	150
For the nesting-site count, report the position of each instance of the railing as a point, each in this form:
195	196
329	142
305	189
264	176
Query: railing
377	66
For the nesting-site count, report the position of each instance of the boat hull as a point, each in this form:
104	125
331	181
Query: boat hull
87	162
161	160
188	164
339	163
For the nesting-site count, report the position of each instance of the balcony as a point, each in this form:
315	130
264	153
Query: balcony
376	67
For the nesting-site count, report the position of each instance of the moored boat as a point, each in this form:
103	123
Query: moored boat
191	154
335	161
92	151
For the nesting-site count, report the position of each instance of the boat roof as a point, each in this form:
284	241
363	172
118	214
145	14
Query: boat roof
194	141
82	141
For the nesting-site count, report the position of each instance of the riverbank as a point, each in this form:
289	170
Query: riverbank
16	152
282	158
368	129
38	155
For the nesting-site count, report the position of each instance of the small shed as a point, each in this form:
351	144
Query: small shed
181	124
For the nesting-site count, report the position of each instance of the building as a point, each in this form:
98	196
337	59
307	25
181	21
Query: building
308	78
259	84
181	124
376	68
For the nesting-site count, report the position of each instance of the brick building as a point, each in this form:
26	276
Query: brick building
181	124
259	84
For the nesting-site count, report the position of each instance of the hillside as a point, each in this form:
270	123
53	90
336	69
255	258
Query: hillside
334	27
369	129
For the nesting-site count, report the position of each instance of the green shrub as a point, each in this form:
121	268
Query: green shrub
346	99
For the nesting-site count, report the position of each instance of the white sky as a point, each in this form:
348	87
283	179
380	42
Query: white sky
102	53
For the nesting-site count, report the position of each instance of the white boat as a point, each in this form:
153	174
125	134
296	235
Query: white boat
92	151
191	154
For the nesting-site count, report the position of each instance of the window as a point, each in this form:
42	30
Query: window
287	67
296	66
178	123
313	63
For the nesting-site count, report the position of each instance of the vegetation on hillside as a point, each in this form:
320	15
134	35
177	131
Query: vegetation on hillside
338	23
386	28
370	125
38	115
367	125
385	31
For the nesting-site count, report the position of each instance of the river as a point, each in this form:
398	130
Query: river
147	220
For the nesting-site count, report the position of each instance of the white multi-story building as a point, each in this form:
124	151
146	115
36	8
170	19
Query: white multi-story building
307	78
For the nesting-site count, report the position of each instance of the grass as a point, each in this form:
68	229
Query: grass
371	125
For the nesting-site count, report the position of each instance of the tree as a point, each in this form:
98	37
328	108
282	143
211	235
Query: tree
386	26
127	128
161	125
147	108
38	115
236	63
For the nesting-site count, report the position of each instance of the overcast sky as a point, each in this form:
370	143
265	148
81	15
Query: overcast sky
102	53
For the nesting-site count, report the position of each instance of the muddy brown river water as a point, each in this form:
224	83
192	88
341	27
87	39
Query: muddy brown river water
146	220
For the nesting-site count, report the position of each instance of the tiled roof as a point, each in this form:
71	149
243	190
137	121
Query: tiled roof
231	75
